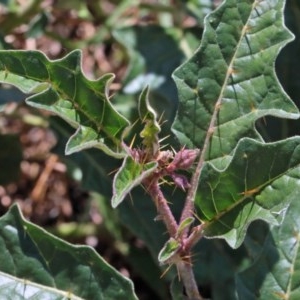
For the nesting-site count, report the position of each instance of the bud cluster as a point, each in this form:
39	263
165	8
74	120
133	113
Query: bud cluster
182	160
169	162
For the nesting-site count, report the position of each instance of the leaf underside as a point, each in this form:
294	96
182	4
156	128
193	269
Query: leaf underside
60	87
51	266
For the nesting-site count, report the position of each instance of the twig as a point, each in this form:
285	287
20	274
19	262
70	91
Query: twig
163	208
186	274
184	266
188	209
194	237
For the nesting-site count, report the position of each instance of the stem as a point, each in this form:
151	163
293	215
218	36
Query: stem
188	209
163	208
189	202
184	266
186	273
194	237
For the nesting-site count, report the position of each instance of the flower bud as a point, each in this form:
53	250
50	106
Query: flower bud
181	181
183	159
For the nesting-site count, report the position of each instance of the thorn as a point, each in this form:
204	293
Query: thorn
158	218
131	198
194	214
164	138
250	192
160	121
132	141
166	271
113	171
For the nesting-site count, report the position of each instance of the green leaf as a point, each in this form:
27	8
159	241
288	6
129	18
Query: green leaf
184	224
60	87
215	268
130	174
141	260
11	286
274	273
230	82
151	128
54	266
228	200
93	168
168	251
10	158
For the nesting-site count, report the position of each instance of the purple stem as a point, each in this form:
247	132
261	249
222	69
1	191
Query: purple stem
162	206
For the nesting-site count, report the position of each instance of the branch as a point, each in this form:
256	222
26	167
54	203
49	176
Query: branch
186	273
162	206
189	207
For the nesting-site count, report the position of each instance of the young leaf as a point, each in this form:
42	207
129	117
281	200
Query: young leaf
184	224
228	200
95	166
60	87
39	258
274	273
151	128
130	174
230	81
170	248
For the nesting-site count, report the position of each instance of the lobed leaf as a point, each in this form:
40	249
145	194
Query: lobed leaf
274	272
230	82
44	264
60	87
228	200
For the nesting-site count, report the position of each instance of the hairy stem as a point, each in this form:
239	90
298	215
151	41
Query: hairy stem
184	266
186	274
164	211
194	237
188	209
